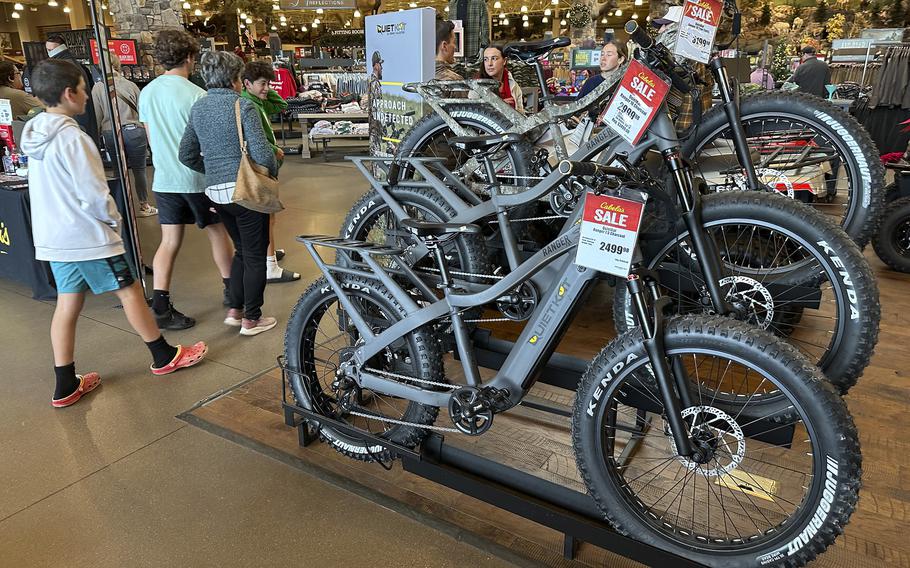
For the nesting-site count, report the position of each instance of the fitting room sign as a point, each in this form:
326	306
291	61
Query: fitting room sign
635	103
697	29
609	231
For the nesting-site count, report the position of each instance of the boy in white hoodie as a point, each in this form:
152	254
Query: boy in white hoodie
76	227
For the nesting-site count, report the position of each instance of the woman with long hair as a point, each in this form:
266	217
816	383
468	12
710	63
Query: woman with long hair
494	67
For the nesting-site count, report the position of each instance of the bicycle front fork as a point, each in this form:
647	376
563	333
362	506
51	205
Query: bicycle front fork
730	103
648	306
704	247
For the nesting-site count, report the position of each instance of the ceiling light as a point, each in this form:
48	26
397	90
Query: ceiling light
18	6
186	6
524	18
554	2
303	28
198	12
103	7
249	20
274	29
242	15
497	5
284	24
52	3
502	15
505	22
603	20
317	21
66	9
647	18
525	25
276	7
547	12
32	8
15	15
634	16
242	26
413	4
562	22
283	18
638	2
447	8
524	9
357	13
618	12
320	11
545	19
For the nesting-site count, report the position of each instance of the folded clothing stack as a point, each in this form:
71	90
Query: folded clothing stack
361	129
351	107
343	127
322	127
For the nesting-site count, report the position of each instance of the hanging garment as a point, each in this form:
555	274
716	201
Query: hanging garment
284	84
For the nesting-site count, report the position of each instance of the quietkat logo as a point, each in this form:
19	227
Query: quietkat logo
540	327
391	29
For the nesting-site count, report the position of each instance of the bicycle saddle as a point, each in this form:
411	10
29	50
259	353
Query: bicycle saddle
528	50
485	142
425	229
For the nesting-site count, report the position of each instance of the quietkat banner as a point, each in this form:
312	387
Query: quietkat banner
400	50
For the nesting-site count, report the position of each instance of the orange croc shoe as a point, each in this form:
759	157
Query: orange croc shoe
185	357
87	383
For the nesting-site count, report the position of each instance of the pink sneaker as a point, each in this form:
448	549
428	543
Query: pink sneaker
255	327
234	318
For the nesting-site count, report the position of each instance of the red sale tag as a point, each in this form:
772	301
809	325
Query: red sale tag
697	29
635	102
609	231
124	48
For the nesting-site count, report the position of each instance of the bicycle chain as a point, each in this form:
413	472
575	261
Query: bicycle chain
402	422
392	375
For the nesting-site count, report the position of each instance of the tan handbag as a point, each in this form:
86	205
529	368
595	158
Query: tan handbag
256	189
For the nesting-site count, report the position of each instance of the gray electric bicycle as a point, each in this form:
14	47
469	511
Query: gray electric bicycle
365	349
759	257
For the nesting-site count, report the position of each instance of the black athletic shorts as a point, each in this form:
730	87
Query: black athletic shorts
186	209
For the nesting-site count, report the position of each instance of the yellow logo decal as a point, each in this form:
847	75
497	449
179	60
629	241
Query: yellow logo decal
533	339
562	290
4	234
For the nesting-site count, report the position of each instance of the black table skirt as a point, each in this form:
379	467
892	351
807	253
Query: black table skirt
883	125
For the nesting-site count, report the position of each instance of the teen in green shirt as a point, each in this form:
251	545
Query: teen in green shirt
256	78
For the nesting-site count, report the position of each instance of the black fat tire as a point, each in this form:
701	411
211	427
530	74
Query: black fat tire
896	214
845	365
481	119
836	431
471	248
422	343
863	216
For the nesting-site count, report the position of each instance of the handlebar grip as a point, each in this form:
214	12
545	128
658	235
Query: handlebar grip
568	167
639	35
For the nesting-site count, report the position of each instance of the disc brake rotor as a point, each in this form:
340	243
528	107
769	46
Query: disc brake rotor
718	431
753	297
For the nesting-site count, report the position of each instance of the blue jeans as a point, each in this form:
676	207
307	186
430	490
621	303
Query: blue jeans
135	146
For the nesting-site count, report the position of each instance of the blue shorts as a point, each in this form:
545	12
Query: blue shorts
102	275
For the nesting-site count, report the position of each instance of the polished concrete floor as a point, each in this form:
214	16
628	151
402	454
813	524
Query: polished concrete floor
117	480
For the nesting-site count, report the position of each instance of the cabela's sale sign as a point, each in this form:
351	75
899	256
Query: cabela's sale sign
635	103
697	29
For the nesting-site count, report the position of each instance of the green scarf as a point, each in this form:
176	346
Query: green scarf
272	105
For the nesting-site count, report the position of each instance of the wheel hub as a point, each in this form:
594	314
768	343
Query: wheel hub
751	300
717	439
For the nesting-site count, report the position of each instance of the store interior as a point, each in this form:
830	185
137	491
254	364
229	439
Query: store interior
223	465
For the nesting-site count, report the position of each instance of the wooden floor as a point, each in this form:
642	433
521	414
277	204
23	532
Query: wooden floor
878	534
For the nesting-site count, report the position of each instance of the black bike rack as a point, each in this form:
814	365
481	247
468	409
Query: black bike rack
569	512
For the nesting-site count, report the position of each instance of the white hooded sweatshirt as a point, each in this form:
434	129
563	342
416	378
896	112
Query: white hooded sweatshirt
74	217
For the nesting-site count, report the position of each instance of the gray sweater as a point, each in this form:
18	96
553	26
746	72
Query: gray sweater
210	144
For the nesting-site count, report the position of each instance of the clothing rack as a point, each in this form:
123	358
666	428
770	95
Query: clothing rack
890	87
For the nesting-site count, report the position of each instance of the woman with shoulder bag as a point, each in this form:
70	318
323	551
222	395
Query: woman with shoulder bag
212	145
135	142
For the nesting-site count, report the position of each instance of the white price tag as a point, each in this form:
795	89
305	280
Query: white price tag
635	103
697	29
6	112
609	231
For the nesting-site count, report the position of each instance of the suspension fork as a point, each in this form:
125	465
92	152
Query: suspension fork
704	247
730	104
673	387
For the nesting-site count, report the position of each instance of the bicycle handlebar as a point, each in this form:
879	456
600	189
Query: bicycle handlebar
639	35
568	167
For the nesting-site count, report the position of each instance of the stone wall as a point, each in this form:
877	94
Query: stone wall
141	20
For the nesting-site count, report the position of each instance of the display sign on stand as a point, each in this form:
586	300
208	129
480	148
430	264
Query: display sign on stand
401	48
697	29
635	103
124	48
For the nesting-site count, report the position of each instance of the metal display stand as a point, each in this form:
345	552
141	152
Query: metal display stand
569	512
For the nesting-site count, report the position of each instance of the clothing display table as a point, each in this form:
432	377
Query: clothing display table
305	118
17	249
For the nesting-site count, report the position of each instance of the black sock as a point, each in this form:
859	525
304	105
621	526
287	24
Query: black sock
67	383
162	351
161	301
226	282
